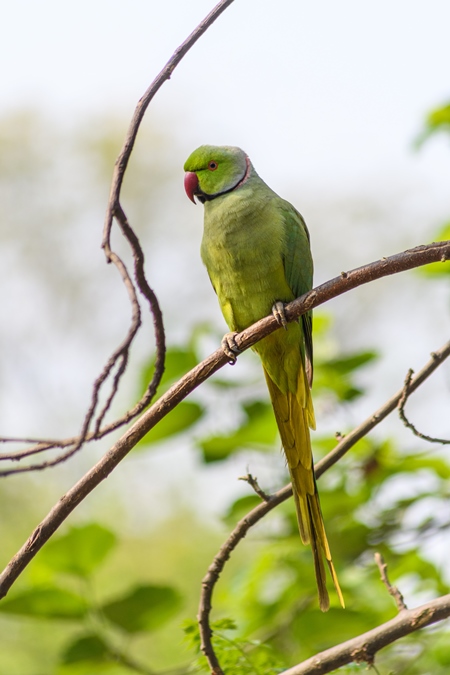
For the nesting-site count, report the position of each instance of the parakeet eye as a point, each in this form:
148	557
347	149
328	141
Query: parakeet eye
212	166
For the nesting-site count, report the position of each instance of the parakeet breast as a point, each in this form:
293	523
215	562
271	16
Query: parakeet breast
242	248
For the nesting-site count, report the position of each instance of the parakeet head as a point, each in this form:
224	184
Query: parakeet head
213	170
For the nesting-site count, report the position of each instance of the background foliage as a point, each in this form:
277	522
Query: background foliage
112	594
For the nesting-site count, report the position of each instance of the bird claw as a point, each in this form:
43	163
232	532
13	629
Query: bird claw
279	314
230	347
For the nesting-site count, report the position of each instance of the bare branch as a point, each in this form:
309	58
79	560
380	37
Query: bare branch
165	74
170	399
120	355
262	510
364	647
392	590
405	420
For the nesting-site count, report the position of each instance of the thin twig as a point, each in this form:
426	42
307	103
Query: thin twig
165	74
364	647
150	296
285	493
115	209
253	482
120	353
392	590
405	420
170	399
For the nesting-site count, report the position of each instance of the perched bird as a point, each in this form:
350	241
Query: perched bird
256	249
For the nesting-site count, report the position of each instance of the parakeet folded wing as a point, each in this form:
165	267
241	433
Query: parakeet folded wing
299	272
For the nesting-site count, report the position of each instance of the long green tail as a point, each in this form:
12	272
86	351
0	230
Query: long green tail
294	415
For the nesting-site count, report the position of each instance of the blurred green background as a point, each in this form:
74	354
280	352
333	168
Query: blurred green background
342	129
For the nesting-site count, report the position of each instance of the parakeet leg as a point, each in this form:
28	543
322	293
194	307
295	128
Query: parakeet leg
279	313
230	347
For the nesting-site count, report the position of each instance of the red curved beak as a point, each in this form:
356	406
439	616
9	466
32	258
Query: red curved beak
191	184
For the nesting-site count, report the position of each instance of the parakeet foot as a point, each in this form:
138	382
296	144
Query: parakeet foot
230	347
279	313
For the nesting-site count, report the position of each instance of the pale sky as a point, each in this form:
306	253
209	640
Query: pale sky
316	92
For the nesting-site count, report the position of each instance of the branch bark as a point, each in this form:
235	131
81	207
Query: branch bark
364	647
408	424
392	590
165	74
119	357
421	255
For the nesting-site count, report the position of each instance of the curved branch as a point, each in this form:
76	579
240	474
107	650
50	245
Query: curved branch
254	516
364	647
115	210
406	421
165	74
120	355
392	590
421	255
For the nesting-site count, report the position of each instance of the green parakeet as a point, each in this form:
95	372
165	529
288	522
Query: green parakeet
256	249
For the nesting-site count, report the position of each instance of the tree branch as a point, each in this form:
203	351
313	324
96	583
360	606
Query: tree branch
364	647
165	74
421	255
392	590
401	411
120	355
285	493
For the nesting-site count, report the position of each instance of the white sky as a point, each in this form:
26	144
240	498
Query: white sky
321	91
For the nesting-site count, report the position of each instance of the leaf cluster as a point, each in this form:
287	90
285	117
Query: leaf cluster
64	591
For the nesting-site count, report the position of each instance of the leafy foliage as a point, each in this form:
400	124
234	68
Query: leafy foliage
438	120
242	657
187	413
143	608
79	551
259	430
49	603
78	554
380	498
271	594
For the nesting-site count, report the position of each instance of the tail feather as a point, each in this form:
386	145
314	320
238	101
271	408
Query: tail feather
319	568
294	415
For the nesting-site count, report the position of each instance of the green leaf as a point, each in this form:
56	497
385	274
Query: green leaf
181	418
224	624
87	648
437	120
48	603
178	362
237	656
97	667
348	364
439	117
240	508
259	429
80	551
441	652
144	608
334	374
437	465
321	323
